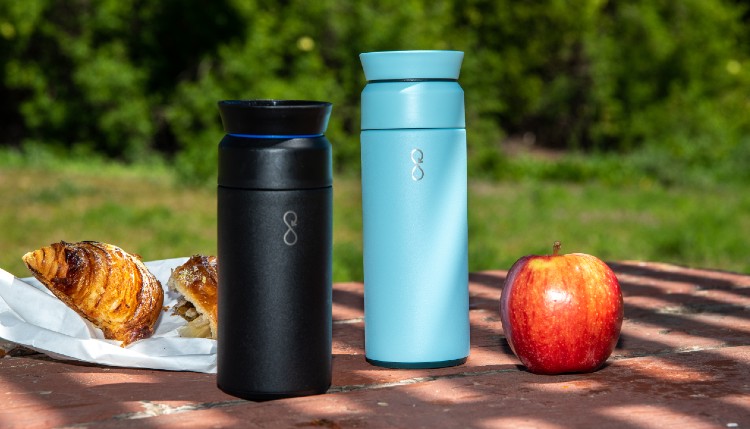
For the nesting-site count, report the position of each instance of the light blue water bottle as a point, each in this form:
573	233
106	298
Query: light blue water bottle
414	210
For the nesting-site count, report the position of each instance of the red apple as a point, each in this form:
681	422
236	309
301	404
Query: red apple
561	313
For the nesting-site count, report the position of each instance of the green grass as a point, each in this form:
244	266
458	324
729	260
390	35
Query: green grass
144	210
705	227
140	211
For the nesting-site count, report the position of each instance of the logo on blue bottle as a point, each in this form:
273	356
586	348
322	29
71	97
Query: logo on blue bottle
417	157
290	220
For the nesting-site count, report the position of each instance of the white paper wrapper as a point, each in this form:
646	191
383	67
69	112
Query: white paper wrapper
31	316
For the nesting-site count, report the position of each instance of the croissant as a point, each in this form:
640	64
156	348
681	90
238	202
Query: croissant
106	285
197	281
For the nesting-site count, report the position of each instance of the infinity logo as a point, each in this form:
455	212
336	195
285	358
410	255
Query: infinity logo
290	220
417	157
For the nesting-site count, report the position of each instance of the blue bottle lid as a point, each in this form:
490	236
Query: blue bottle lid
401	65
412	89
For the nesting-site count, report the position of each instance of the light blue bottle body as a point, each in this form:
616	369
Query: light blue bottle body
414	201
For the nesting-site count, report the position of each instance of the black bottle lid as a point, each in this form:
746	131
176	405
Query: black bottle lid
275	117
275	145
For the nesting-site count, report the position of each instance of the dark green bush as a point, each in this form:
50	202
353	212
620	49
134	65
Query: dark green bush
131	80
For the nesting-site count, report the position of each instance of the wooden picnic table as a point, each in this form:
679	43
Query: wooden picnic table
683	360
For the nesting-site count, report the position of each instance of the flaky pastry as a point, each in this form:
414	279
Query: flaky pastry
197	281
106	285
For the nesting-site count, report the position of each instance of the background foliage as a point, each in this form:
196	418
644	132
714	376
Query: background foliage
657	80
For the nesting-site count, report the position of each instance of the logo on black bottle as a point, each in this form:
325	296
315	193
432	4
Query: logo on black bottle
290	220
417	157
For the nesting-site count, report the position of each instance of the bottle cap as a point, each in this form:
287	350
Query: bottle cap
275	145
399	65
412	89
275	117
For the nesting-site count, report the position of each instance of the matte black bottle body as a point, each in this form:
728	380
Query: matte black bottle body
275	205
279	317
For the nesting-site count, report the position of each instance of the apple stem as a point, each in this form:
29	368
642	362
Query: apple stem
556	248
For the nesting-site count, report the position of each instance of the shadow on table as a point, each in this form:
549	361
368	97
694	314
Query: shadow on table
674	364
692	378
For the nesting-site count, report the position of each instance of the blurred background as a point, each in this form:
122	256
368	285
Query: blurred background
620	128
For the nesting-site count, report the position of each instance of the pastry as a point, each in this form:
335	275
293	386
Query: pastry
104	284
197	281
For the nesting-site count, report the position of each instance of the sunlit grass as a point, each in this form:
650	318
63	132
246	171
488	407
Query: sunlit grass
145	211
705	227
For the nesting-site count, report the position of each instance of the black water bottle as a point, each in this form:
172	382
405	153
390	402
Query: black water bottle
275	203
